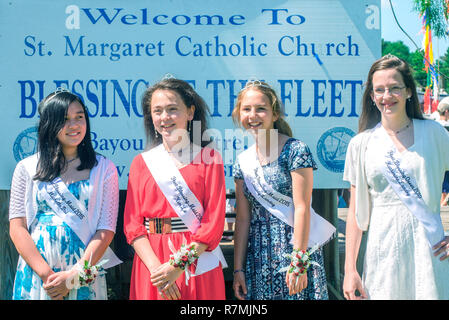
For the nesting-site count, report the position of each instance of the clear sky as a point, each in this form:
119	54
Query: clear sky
411	23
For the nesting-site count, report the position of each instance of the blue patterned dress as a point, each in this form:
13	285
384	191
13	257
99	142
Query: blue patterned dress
269	238
58	244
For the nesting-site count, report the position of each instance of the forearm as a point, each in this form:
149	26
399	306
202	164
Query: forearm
240	241
302	185
353	240
28	251
301	228
97	246
200	247
143	249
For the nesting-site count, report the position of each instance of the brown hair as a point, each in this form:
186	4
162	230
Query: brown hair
371	116
188	96
280	124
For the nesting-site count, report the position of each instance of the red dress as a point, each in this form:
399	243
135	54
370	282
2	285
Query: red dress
145	200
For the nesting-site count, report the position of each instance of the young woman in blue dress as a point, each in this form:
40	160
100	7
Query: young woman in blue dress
63	207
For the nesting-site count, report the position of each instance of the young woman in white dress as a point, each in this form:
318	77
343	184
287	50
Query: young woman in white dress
395	166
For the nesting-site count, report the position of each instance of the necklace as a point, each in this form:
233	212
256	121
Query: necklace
71	160
180	151
402	129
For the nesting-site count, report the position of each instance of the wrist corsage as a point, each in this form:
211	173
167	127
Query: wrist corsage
183	258
300	261
87	273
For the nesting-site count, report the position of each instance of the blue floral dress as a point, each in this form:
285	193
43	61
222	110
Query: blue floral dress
269	238
59	246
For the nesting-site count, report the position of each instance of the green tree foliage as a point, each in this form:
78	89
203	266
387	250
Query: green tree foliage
414	59
397	48
443	67
416	62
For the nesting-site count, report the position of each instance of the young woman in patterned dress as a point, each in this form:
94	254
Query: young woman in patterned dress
261	239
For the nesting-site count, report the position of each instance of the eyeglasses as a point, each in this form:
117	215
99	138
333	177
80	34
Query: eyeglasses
394	91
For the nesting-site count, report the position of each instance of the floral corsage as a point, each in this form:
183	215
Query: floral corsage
87	273
183	258
299	261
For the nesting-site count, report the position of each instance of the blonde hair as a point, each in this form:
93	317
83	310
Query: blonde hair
280	124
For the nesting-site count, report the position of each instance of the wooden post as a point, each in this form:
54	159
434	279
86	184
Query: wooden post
324	202
8	253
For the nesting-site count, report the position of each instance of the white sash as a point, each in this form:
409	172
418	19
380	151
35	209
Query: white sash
406	187
66	206
182	200
278	204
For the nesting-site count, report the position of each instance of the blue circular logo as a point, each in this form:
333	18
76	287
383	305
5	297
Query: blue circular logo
25	144
331	148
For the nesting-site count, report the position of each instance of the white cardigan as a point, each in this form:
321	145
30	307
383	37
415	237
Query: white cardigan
103	199
431	143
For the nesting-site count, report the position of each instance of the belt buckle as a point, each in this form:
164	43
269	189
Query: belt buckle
159	225
166	225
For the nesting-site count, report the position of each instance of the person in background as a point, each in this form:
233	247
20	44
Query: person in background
63	208
230	209
395	166
443	111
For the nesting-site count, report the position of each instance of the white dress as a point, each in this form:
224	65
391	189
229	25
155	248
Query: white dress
399	263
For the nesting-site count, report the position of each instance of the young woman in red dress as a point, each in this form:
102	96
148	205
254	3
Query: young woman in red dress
176	195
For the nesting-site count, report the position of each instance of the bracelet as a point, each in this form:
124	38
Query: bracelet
238	270
184	257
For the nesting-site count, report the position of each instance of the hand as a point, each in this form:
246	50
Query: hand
56	284
239	285
295	283
171	293
45	276
352	283
164	278
442	248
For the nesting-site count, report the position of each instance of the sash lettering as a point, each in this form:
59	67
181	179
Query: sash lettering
66	205
72	211
405	186
278	204
182	201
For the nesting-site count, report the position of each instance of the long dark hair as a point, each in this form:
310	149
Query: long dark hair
53	112
188	96
280	124
371	116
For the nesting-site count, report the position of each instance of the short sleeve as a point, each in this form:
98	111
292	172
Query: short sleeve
349	173
443	145
110	199
299	156
18	192
237	172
